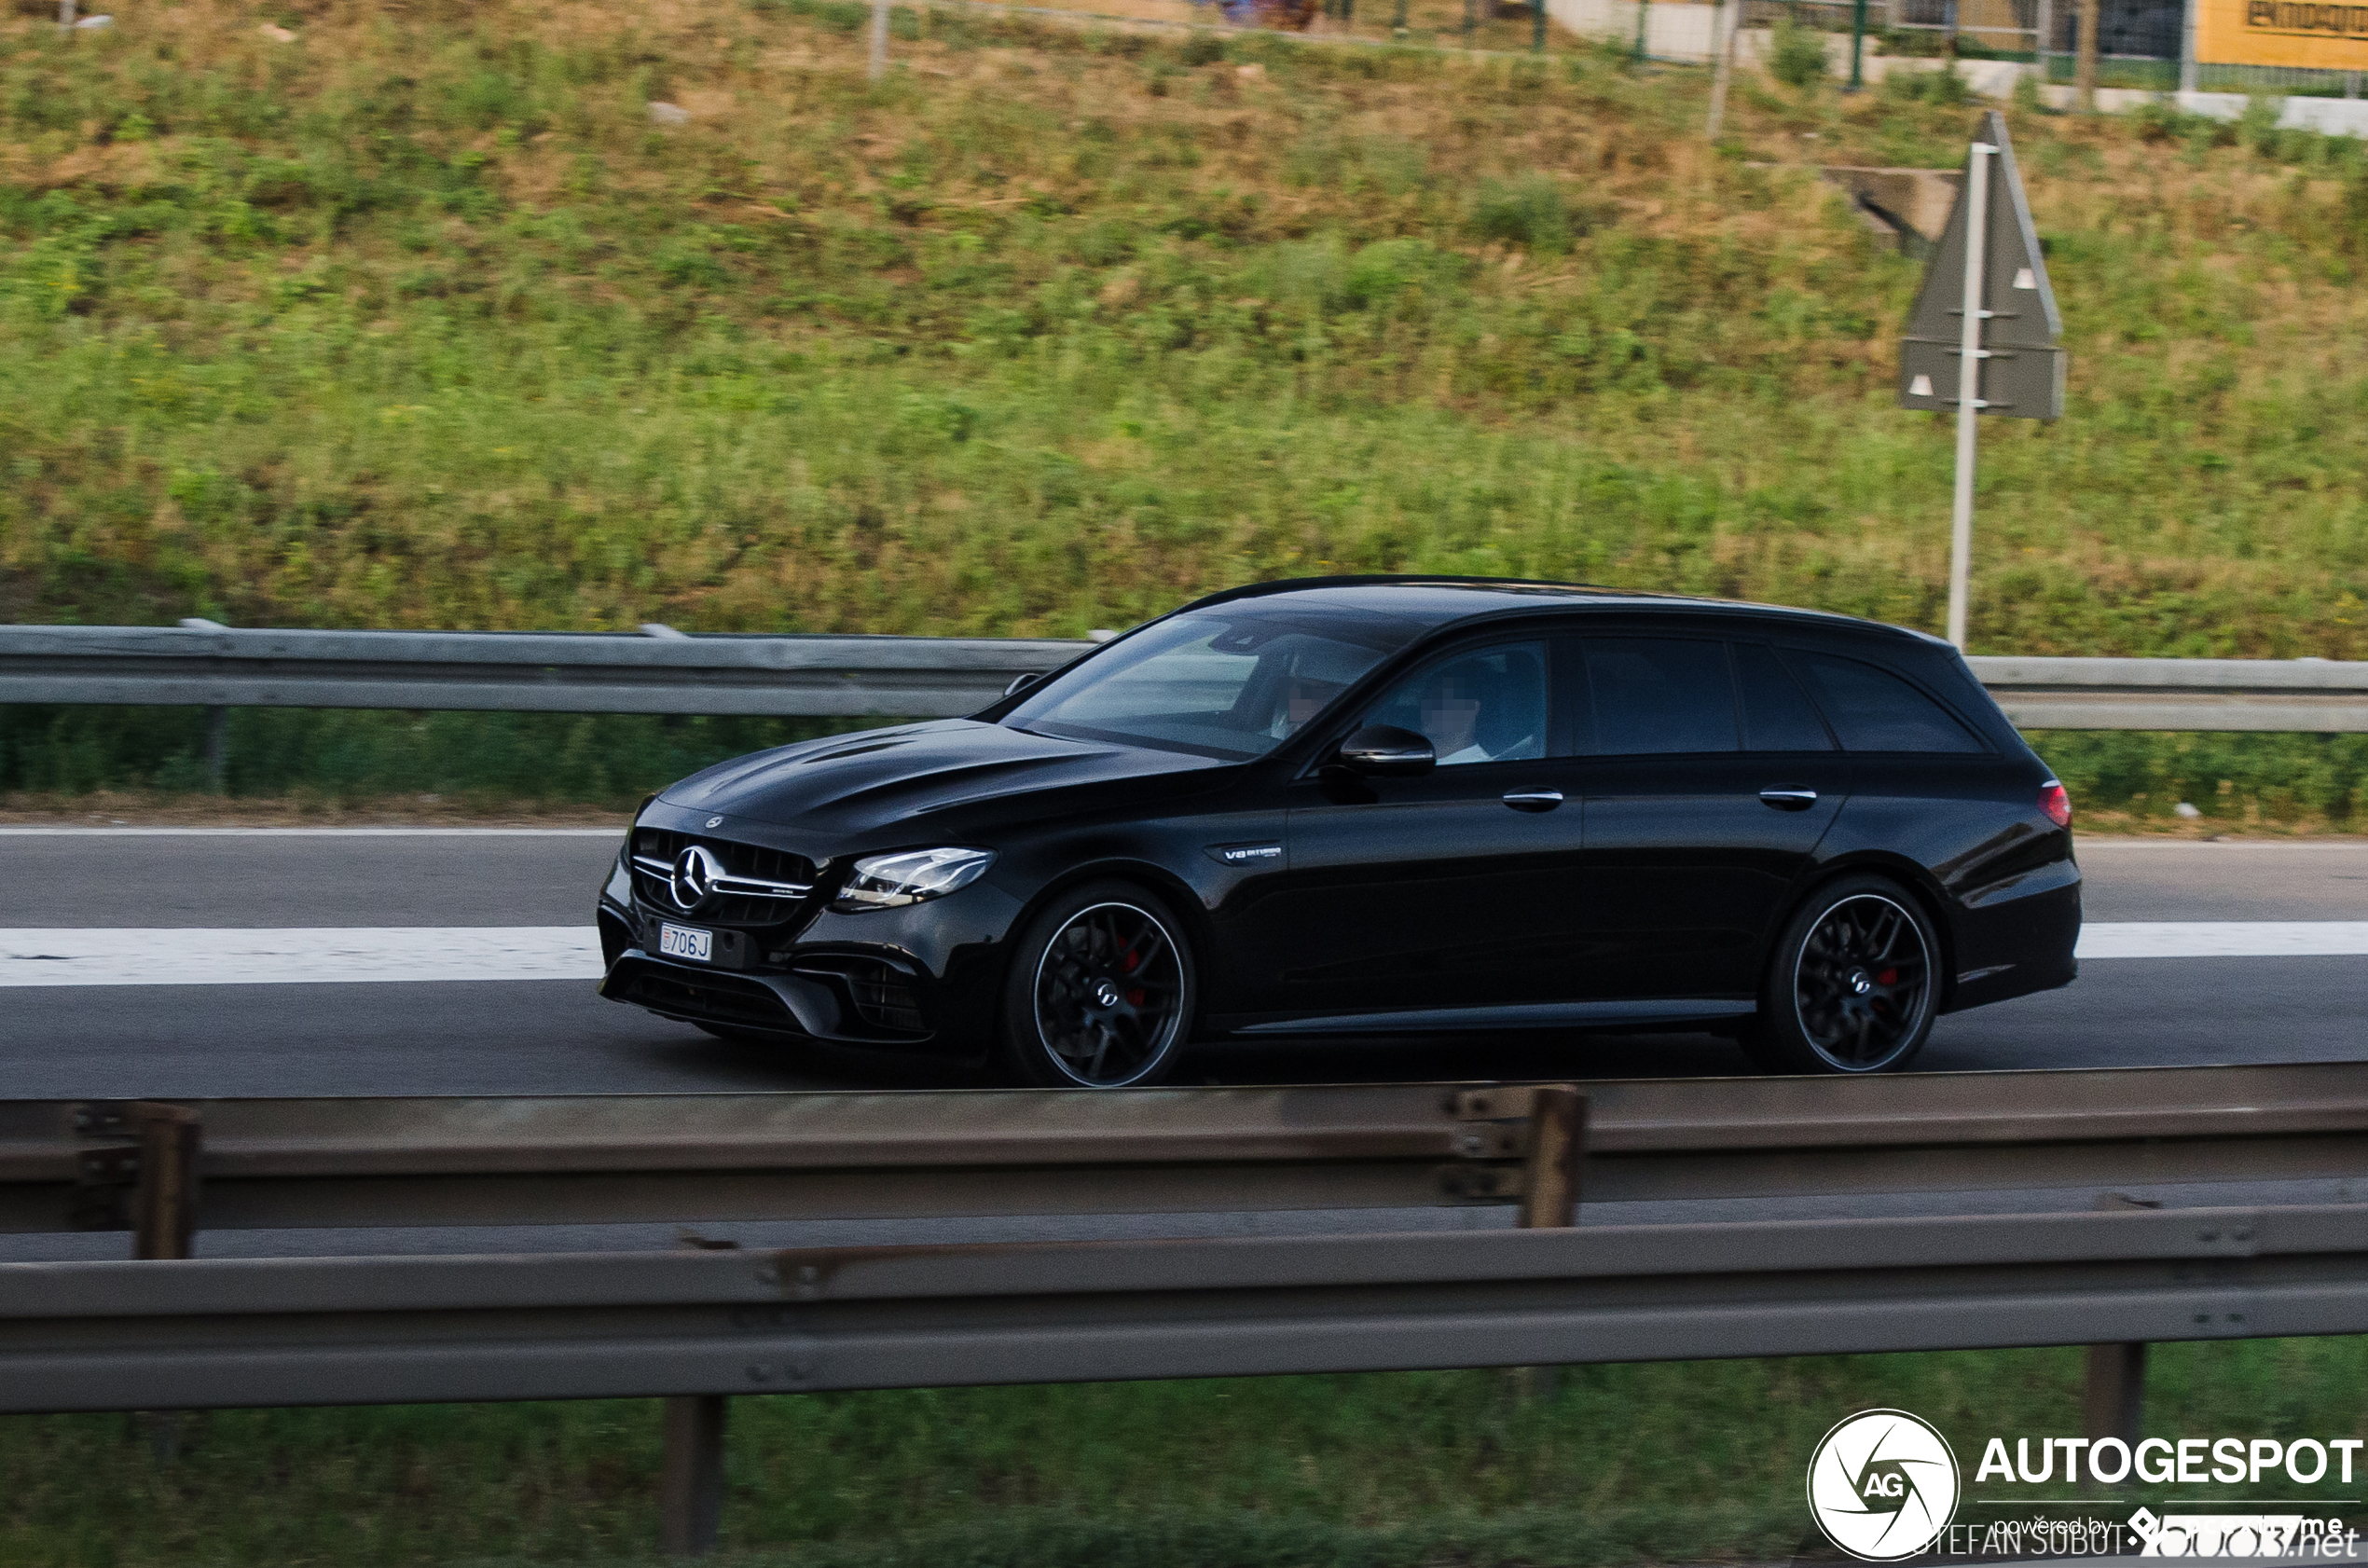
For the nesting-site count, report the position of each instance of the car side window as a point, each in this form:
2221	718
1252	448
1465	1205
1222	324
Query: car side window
1777	715
1486	705
1872	709
1659	695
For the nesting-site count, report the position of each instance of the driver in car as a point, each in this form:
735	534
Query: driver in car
1450	708
1453	702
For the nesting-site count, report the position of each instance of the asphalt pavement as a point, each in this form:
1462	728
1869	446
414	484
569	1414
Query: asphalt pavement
525	1037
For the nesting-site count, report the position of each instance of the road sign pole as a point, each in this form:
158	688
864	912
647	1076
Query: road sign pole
1858	45
1960	536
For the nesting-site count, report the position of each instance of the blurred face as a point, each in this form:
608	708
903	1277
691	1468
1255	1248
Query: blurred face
1304	698
1450	714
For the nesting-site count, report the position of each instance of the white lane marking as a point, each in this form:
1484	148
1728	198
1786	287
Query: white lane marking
616	832
2225	846
309	955
348	954
2223	939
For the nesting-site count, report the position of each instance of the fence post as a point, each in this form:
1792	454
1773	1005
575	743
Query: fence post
691	1479
2085	60
1726	20
877	66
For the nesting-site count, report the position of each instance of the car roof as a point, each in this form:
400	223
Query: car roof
1438	602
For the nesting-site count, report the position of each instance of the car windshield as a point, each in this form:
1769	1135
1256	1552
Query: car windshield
1230	682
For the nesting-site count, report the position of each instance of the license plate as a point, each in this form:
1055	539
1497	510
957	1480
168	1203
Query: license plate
683	941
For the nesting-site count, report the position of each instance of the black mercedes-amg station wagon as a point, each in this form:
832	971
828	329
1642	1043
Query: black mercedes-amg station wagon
1378	806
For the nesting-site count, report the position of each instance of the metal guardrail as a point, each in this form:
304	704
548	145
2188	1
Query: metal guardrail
663	671
2296	695
357	1162
99	1336
266	1164
172	1332
84	1165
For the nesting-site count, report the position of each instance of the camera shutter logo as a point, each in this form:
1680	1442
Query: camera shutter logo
1883	1485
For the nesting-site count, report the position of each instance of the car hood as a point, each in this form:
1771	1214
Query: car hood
850	785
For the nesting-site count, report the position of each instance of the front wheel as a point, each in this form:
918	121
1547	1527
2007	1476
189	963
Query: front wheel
1100	992
1853	985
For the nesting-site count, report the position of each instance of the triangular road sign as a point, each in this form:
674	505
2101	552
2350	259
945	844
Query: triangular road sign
2022	370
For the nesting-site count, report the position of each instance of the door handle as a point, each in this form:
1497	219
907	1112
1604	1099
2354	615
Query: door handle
1789	799
1534	800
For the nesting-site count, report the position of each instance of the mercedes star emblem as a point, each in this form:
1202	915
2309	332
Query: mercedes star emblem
694	875
715	822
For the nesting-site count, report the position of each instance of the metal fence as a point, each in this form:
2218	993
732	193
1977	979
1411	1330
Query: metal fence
663	671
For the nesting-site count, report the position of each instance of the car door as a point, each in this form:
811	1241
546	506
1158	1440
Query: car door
1448	892
1707	782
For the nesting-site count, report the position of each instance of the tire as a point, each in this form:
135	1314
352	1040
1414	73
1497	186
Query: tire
1853	985
1100	993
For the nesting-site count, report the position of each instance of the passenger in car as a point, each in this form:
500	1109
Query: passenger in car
1319	673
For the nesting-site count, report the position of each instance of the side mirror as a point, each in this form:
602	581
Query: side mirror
1022	682
1386	751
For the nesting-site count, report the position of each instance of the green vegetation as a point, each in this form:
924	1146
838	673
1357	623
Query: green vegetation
419	319
1674	1463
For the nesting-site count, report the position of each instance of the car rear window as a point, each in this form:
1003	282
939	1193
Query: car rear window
1872	709
1777	717
1659	695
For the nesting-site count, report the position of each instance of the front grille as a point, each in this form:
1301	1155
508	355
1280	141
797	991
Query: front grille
716	998
653	853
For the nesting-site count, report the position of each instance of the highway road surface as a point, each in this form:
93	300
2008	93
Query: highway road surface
359	959
358	952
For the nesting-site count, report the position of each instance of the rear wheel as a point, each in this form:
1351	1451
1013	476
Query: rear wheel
1853	985
1100	992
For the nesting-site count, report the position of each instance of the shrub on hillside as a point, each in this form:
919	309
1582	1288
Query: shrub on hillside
1797	54
1529	211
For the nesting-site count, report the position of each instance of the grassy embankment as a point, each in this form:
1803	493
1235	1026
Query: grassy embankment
1679	1462
419	320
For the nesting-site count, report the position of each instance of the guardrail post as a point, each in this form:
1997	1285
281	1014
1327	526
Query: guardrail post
2116	1392
164	1222
1551	1153
1550	1167
691	1481
217	750
164	1204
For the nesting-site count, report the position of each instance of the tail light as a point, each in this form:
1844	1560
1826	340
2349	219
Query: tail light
2056	803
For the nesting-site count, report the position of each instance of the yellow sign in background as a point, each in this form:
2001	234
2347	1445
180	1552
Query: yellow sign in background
2318	36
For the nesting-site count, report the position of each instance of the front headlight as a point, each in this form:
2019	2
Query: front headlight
911	877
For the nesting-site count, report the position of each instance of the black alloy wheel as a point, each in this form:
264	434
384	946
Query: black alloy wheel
1100	993
1853	985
